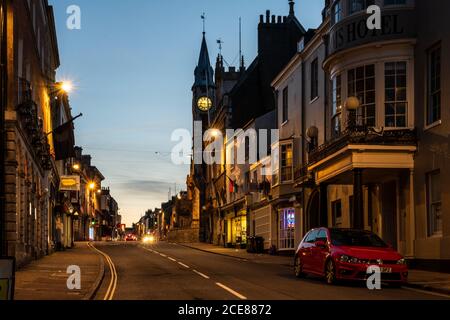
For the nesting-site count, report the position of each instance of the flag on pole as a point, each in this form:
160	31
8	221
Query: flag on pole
64	141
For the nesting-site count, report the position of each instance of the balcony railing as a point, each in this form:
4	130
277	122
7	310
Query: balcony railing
365	136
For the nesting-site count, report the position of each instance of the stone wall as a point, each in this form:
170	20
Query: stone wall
183	235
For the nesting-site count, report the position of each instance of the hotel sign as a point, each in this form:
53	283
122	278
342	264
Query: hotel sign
353	31
69	183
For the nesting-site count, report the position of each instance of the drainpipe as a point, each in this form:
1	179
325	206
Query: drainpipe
3	100
305	218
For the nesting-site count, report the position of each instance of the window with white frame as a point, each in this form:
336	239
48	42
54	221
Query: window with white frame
396	101
434	86
337	105
287	163
287	229
361	84
434	203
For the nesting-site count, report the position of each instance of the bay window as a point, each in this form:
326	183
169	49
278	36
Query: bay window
337	105
396	101
287	163
361	84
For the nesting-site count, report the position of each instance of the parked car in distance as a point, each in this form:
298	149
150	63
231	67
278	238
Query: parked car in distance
130	237
346	254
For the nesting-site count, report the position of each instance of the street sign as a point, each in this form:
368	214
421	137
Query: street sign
7	270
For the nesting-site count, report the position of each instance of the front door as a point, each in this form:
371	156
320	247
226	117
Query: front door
389	212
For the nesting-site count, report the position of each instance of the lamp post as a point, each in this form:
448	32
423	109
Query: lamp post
352	104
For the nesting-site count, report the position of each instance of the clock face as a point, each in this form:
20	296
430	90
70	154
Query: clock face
204	104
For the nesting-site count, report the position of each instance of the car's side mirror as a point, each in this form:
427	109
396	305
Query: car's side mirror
321	244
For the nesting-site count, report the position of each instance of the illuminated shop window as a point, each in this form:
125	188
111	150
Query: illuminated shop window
287	229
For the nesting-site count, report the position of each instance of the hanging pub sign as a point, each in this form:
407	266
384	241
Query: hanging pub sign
69	183
7	270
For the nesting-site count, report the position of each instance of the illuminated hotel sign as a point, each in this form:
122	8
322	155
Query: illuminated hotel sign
353	31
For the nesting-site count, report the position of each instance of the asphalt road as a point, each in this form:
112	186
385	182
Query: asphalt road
166	271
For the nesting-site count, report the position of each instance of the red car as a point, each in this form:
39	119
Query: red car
346	254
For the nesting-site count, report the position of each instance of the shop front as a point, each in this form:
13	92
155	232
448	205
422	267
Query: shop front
236	228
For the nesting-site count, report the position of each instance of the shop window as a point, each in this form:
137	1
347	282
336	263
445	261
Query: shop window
396	101
336	209
434	86
361	84
287	229
287	163
434	203
337	105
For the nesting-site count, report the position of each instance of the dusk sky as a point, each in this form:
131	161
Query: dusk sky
132	64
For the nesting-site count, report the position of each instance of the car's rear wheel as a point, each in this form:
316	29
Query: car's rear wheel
298	267
330	272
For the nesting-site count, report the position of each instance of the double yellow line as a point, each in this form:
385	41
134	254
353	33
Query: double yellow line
113	283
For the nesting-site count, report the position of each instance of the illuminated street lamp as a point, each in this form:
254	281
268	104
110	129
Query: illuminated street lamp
76	167
352	104
66	86
92	185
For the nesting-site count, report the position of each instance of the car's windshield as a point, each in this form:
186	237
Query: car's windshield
356	238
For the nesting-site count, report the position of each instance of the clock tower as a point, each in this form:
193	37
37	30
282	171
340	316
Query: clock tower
204	89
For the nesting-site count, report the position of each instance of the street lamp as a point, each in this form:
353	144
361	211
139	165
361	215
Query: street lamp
76	167
66	86
92	185
352	104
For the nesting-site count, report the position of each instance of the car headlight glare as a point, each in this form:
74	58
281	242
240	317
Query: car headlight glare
401	261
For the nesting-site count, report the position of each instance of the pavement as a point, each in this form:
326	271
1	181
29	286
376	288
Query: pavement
169	271
419	279
46	279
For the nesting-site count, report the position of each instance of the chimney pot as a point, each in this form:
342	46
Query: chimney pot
273	18
280	19
268	16
261	19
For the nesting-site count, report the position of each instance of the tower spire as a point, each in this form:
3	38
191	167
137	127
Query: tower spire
291	8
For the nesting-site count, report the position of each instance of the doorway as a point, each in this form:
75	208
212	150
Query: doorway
389	212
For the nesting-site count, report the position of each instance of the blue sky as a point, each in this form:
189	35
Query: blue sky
132	64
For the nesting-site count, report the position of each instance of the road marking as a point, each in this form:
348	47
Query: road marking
427	292
163	255
240	296
183	265
171	259
113	283
201	274
156	252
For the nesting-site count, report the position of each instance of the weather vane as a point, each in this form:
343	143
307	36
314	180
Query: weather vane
204	22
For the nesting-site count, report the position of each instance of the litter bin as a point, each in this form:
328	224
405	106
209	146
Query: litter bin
259	244
251	245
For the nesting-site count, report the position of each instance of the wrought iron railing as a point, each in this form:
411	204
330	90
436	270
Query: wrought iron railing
363	135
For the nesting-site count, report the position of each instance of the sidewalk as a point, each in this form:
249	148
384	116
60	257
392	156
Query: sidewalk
418	279
46	279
